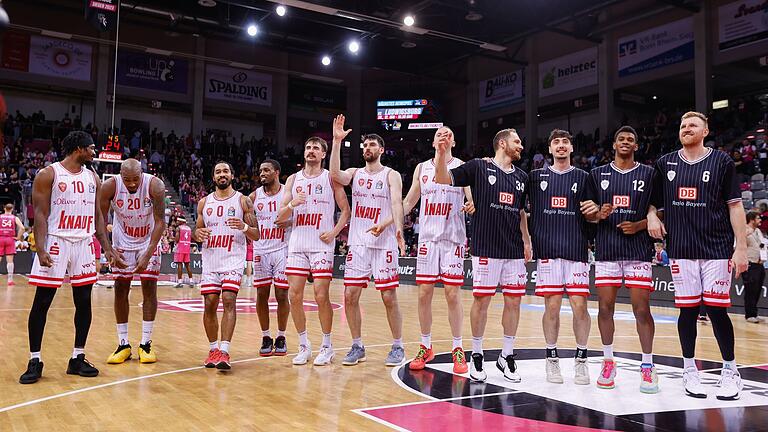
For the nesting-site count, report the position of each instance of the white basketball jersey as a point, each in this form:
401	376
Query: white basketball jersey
225	248
315	216
271	237
73	203
440	216
371	205
134	219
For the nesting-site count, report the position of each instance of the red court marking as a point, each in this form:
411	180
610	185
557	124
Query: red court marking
762	367
451	416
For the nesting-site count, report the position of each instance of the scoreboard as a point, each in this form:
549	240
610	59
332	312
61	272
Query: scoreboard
113	149
410	109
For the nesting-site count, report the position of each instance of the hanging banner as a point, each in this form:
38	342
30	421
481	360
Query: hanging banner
569	72
502	90
742	23
655	48
15	51
315	96
61	58
153	72
238	85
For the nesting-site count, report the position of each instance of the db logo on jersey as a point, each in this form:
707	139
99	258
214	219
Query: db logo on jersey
119	203
687	193
621	200
506	198
62	186
559	202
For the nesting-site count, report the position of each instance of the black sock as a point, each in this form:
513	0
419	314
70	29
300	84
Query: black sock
686	330
38	315
83	315
552	353
581	353
723	329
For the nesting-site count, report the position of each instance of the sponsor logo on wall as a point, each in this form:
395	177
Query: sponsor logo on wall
655	48
569	72
502	90
742	23
238	85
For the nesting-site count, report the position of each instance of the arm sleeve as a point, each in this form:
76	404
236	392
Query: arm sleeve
730	186
464	174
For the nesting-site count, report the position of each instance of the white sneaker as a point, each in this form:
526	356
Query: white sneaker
692	383
508	367
754	320
581	371
325	356
730	385
476	371
305	353
553	371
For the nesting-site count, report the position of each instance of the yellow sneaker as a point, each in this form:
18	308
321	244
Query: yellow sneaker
146	355
121	354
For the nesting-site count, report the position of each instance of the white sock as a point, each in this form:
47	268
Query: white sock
648	358
281	333
146	331
477	345
457	342
730	365
508	346
357	341
77	351
426	340
265	333
122	334
326	340
10	266
224	346
35	355
214	345
303	338
689	362
397	342
608	352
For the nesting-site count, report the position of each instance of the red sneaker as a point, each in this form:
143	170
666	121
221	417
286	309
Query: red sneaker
459	361
222	361
213	358
11	283
424	356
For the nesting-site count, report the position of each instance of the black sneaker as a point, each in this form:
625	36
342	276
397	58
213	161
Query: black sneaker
266	346
281	348
33	373
81	366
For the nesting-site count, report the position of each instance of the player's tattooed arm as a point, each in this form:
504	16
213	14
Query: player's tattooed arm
115	258
157	195
105	196
249	217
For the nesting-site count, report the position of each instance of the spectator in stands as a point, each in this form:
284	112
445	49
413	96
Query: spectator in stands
755	274
660	258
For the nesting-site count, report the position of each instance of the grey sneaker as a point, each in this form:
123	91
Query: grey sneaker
179	285
395	357
355	355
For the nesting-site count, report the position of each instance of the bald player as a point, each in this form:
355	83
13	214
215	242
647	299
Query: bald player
137	201
11	230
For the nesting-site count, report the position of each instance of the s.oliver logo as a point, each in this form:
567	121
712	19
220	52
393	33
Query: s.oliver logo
687	193
559	202
621	201
506	198
243	305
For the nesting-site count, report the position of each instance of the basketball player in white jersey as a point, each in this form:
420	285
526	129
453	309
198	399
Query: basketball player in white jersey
66	217
442	241
375	229
11	230
137	201
225	219
270	254
310	199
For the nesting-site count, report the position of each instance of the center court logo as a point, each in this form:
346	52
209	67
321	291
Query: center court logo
244	305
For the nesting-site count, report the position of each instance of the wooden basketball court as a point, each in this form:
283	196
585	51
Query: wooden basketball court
266	393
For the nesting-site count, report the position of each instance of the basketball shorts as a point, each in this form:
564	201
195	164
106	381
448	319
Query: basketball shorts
269	268
702	280
7	246
181	257
634	274
75	258
131	258
441	261
320	264
559	276
215	282
363	262
489	273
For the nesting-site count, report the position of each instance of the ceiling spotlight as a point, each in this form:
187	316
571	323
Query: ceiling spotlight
280	9
354	47
252	30
654	97
409	20
326	60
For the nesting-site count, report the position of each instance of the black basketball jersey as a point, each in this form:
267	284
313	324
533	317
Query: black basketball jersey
694	196
558	229
498	196
630	193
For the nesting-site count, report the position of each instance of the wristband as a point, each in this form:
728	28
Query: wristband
290	205
245	228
